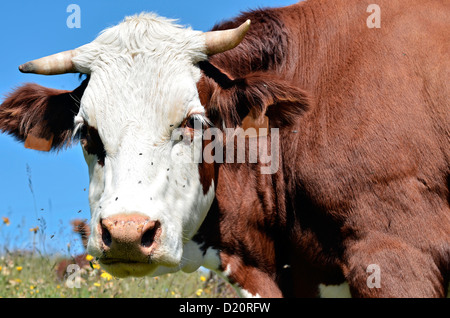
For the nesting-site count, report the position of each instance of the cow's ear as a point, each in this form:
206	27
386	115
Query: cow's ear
41	117
253	99
267	95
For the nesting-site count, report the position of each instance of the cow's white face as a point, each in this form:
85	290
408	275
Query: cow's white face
142	88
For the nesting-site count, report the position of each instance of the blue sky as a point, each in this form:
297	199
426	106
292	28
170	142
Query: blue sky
58	191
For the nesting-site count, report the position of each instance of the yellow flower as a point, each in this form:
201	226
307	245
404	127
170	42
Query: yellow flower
31	287
34	229
19	268
58	286
89	257
199	292
5	220
95	266
97	284
106	276
203	278
18	280
1	268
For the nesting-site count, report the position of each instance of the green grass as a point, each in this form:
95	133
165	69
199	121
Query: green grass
25	275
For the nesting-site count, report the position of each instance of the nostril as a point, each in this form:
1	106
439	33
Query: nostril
106	236
149	235
125	234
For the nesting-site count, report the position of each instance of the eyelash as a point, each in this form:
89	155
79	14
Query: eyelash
189	121
78	130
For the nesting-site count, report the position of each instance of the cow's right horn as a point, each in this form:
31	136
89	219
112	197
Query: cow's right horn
59	63
224	40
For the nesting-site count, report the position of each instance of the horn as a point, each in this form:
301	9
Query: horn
224	40
59	63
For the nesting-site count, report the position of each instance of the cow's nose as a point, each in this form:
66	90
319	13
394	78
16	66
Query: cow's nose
128	236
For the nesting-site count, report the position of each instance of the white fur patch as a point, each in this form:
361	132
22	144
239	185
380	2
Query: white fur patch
227	272
245	294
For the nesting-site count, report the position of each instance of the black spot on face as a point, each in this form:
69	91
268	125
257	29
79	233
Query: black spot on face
92	143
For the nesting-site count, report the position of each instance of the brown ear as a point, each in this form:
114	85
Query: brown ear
266	94
41	117
251	98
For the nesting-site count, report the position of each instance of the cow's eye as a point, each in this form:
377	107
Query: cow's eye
82	132
195	121
92	143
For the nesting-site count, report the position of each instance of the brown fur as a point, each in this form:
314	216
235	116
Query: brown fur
365	150
81	227
45	112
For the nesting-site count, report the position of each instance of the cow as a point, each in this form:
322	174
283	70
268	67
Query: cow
357	110
83	260
80	227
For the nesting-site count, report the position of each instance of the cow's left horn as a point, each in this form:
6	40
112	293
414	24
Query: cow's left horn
224	40
59	63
